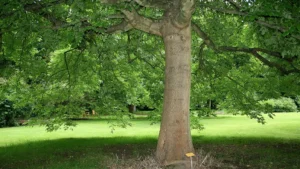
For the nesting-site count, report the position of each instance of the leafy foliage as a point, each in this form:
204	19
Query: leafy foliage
282	104
60	58
9	115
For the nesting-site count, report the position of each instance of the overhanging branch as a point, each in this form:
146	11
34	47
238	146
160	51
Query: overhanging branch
253	51
237	11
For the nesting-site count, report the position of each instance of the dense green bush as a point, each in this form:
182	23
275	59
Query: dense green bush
7	114
297	100
282	104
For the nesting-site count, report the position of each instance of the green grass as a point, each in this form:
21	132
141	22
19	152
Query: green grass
231	139
84	129
284	125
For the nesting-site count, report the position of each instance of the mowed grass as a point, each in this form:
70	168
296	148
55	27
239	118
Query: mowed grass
236	140
284	125
84	129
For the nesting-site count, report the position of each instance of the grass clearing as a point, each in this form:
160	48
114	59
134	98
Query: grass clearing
235	140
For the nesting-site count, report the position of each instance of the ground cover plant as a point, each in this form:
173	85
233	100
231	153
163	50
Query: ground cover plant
229	141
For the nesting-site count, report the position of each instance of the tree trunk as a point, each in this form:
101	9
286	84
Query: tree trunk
131	108
175	136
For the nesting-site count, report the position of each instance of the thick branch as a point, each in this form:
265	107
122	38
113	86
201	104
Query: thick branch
132	19
184	15
116	16
142	23
122	27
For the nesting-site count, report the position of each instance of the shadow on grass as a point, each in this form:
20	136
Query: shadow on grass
248	152
252	152
73	152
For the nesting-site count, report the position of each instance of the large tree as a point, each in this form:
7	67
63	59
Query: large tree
246	51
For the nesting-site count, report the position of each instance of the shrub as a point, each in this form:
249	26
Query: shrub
297	100
282	104
7	114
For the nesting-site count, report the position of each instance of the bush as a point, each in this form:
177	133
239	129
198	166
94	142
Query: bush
7	114
282	104
297	100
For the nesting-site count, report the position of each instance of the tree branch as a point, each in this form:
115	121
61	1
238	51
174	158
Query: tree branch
185	13
131	20
116	16
201	64
1	36
113	1
256	20
203	36
252	51
122	27
38	6
145	3
236	11
226	11
234	4
142	23
33	7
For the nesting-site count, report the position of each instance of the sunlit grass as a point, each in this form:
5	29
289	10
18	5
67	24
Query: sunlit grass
236	139
84	129
286	126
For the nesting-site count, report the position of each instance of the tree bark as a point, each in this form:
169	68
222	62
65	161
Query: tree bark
175	136
131	108
175	27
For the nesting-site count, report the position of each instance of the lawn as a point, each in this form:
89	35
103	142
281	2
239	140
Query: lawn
234	140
